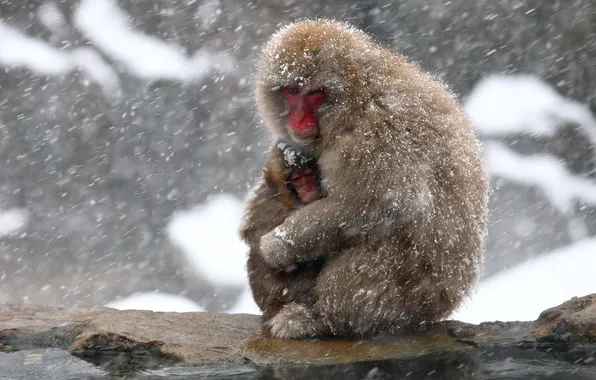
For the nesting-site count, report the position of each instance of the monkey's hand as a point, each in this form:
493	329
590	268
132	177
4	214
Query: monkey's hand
276	249
310	232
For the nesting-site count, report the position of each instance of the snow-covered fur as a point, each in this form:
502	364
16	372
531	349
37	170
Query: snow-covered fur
403	225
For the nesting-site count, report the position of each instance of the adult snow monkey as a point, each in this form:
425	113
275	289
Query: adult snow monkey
406	186
290	181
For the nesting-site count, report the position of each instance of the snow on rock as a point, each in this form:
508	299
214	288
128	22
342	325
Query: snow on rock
155	302
547	173
96	69
524	291
12	221
111	30
208	238
503	104
17	49
20	50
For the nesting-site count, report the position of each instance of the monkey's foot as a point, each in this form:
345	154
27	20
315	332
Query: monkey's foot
275	250
294	321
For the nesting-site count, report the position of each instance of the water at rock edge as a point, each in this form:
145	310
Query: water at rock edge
498	363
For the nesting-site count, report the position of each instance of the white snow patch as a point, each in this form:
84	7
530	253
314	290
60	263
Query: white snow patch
12	221
20	50
548	174
110	29
504	104
156	302
245	305
51	17
17	49
97	69
208	237
523	292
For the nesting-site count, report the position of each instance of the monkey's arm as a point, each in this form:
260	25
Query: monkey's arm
321	228
371	210
311	232
262	213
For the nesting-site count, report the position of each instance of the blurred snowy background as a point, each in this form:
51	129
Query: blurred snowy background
128	141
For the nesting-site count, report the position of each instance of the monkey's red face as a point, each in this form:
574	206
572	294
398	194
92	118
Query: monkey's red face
302	117
304	182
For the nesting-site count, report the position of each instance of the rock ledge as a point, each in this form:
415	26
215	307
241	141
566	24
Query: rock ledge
197	338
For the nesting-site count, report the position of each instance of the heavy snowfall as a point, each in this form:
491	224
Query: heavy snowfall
129	142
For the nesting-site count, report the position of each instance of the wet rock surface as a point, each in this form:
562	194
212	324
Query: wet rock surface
197	338
572	321
194	337
188	337
462	364
102	343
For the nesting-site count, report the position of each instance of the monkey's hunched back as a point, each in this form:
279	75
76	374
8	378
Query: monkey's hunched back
407	189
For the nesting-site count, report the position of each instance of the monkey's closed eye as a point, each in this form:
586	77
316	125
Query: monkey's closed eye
294	176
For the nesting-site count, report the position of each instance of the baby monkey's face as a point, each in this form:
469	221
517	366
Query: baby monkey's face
305	184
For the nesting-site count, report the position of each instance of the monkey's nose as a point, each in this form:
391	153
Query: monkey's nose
299	114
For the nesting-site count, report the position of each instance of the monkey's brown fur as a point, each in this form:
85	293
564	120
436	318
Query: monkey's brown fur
406	186
268	207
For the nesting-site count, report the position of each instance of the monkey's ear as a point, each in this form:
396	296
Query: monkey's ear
270	190
272	180
268	180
